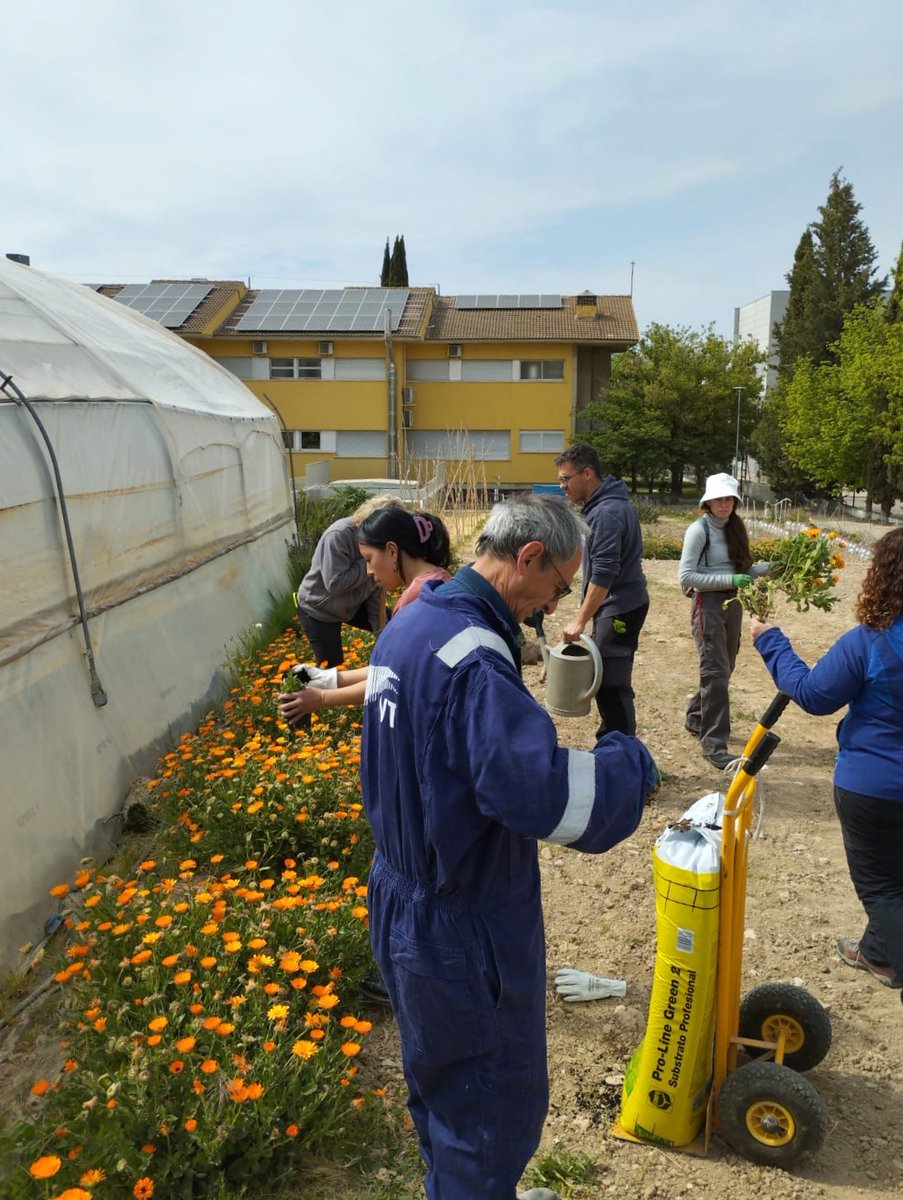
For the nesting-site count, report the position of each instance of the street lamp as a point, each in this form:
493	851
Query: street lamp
739	391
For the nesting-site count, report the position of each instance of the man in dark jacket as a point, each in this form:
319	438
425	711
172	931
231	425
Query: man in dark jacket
615	598
461	773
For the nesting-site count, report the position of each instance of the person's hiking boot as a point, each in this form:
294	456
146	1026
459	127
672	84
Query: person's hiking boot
373	987
542	1193
849	952
720	759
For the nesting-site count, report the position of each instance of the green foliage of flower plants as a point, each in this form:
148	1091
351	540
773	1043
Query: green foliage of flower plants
209	1010
803	570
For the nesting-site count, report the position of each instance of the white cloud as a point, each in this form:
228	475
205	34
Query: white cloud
514	145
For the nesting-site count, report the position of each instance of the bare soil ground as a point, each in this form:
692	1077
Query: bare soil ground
600	917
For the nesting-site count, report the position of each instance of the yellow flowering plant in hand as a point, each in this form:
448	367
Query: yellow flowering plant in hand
804	569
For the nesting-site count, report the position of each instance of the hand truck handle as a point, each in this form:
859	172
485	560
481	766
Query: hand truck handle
762	753
774	710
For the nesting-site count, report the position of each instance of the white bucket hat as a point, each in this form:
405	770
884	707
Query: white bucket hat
719	487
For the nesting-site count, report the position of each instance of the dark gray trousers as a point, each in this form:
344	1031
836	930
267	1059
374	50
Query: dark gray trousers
716	632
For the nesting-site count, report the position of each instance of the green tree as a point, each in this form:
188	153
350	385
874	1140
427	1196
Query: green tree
799	334
843	420
672	403
398	268
387	267
833	271
895	303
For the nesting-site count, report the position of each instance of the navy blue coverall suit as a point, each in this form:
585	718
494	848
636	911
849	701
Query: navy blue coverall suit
462	773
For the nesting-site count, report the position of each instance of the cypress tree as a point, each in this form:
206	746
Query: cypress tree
845	259
402	274
799	334
833	271
394	264
387	266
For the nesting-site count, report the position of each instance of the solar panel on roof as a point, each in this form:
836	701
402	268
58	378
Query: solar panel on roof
352	310
169	303
524	300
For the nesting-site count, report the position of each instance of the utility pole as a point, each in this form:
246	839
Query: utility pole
739	391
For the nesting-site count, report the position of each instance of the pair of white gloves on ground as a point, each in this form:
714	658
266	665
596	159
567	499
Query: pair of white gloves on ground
574	985
321	677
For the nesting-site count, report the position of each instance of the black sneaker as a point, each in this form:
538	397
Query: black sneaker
373	987
721	759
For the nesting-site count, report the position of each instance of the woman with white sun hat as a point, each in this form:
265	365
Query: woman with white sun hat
715	562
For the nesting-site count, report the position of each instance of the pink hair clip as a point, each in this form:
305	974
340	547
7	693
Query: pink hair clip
424	527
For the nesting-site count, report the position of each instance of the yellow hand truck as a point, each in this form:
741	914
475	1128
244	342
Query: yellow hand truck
761	1106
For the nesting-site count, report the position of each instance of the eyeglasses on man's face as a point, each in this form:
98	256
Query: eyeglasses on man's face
564	589
565	479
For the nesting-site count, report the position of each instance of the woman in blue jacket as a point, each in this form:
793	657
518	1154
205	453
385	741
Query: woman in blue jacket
864	670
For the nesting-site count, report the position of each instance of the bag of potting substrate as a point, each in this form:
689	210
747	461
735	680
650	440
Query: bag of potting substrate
667	1082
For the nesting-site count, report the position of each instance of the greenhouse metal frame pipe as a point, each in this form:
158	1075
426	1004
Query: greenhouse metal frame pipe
98	695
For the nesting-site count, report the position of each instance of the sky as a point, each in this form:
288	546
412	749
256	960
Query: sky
680	149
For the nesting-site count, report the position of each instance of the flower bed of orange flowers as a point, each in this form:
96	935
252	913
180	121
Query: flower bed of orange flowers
210	1011
803	569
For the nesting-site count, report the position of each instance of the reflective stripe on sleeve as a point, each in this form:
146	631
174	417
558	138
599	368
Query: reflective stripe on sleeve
470	639
581	796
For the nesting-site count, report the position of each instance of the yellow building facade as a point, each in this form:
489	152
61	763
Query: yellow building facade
392	382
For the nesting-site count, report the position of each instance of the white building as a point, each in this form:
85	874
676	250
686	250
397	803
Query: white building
757	320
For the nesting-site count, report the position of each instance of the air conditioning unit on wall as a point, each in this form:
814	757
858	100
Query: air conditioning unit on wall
258	347
454	350
324	348
407	395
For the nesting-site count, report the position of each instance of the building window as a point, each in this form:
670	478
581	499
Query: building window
551	368
361	443
302	439
360	368
486	370
481	445
427	370
294	368
541	441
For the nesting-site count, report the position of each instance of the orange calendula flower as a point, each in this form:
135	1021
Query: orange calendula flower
73	1193
292	1131
92	1176
144	1188
209	1065
181	977
176	1066
350	1049
45	1166
277	1012
158	1023
39	1087
185	1044
305	1049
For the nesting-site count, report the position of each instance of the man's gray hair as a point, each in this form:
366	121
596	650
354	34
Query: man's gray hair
512	523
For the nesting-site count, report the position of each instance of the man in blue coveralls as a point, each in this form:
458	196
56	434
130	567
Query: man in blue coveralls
462	773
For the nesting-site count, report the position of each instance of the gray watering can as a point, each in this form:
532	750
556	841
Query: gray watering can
573	673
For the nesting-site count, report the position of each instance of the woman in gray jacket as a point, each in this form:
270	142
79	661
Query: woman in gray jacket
715	561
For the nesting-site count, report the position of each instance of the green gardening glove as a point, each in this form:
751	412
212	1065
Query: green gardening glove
739	581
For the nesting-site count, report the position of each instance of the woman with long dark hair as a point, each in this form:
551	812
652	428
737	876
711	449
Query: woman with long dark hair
864	670
715	561
400	549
